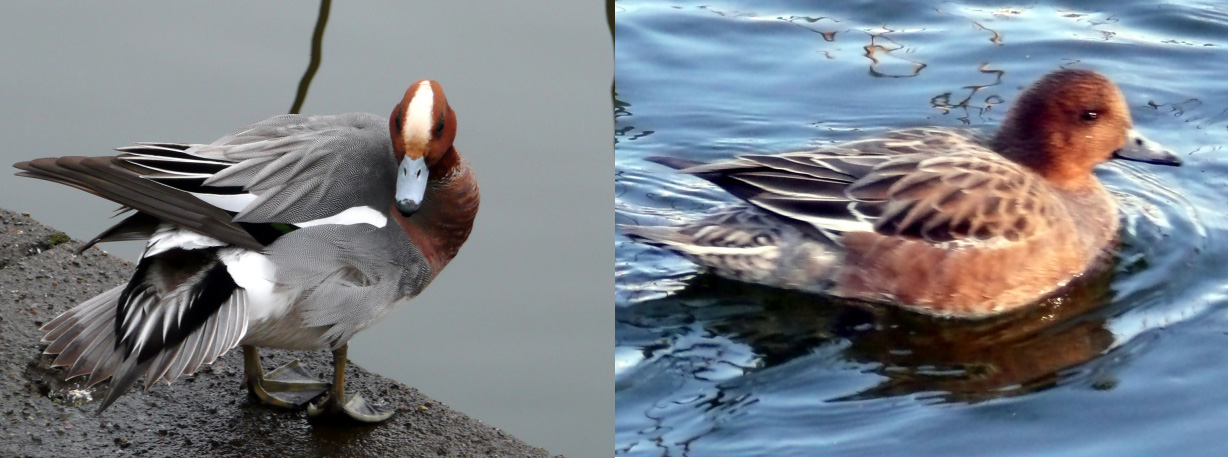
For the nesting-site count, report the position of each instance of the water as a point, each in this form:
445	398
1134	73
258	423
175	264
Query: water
1126	362
507	334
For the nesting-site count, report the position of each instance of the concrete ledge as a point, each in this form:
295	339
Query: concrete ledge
208	414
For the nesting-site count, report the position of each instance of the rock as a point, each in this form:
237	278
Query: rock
208	414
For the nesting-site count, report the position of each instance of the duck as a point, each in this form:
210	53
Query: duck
948	222
295	232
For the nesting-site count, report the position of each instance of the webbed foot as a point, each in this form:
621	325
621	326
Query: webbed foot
288	386
355	407
336	402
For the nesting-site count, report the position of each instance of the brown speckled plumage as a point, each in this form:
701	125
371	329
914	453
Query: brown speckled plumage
943	221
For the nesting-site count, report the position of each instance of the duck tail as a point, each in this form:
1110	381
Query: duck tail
674	162
84	337
125	375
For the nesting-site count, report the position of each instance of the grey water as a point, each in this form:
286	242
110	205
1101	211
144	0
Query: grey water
509	333
1127	362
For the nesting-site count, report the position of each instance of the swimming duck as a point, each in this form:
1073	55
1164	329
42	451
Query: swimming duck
942	221
295	232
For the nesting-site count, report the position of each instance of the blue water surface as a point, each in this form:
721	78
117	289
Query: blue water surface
1130	361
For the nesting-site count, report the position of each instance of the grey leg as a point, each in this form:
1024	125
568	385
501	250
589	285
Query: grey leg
288	386
336	401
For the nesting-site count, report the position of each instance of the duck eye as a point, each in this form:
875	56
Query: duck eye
438	127
1089	115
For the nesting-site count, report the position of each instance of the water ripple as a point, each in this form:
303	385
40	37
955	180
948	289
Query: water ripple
1126	361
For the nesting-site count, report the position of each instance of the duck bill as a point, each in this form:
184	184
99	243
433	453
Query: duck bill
411	185
1140	148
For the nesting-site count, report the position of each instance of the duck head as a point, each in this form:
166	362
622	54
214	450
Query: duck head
1068	122
423	127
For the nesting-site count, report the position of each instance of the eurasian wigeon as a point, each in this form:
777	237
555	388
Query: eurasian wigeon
295	232
941	221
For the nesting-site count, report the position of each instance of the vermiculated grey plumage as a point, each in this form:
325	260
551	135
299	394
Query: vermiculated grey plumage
292	159
335	162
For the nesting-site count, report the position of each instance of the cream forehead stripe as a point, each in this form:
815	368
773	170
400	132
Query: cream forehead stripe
418	120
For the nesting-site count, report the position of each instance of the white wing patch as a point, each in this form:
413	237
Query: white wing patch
350	216
168	237
355	215
257	275
229	202
700	250
861	224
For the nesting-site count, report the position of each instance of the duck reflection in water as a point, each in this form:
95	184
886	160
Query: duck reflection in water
953	360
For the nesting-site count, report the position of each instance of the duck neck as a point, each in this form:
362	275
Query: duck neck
443	222
1035	150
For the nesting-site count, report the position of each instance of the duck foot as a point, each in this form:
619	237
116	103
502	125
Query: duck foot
288	386
337	403
355	407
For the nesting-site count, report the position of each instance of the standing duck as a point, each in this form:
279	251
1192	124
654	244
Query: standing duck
941	221
296	232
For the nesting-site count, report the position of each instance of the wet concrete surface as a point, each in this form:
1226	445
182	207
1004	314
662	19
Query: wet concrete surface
208	414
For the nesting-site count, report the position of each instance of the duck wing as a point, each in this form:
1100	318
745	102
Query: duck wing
300	169
954	197
206	210
120	181
296	170
911	183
